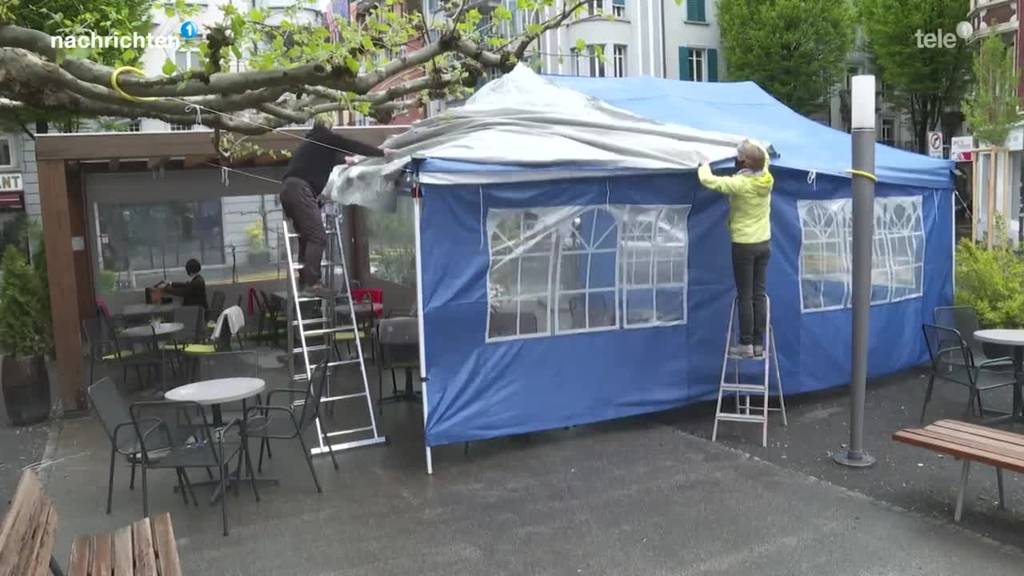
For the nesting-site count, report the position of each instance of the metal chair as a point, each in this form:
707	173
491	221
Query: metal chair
964	319
953	360
216	305
105	346
177	435
397	341
282	422
114	414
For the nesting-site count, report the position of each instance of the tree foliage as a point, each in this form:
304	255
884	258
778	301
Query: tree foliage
923	82
24	307
265	69
991	107
992	282
791	48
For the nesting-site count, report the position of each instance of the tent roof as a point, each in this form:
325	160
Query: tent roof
744	108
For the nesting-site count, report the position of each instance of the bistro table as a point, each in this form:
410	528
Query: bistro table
219	391
1015	340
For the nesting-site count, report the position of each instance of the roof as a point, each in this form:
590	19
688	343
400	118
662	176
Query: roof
744	108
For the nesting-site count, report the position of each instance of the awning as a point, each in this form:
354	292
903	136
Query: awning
12	201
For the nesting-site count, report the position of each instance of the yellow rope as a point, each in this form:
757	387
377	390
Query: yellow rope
867	175
119	90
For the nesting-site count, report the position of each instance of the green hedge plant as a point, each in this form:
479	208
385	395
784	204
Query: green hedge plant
24	307
992	281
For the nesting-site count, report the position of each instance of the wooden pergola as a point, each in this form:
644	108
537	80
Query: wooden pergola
62	160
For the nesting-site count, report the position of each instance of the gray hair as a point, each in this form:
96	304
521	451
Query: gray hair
752	153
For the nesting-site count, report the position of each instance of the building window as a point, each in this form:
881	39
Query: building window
619	8
619	61
135	125
594	7
851	71
574	56
654	257
888	131
826	252
186	60
569	269
596	55
696	11
696	65
6	152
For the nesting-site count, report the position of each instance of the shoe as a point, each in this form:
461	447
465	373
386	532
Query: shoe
758	351
741	351
318	291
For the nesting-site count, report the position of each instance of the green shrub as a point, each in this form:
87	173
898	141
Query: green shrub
24	307
992	281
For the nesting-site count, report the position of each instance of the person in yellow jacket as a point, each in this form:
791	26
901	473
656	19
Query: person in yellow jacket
750	200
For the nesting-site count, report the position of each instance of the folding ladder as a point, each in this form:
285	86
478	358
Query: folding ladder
319	332
745	411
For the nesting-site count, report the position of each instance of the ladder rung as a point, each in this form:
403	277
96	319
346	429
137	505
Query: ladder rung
302	375
316	348
740	417
309	321
326	331
343	397
352	431
756	388
760	358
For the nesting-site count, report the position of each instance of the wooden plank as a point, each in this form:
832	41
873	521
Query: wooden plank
142	550
974	443
985	431
166	547
123	552
915	438
81	556
102	555
53	194
28	530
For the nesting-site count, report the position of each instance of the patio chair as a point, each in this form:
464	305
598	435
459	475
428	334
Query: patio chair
216	306
286	422
397	342
105	346
113	412
177	435
964	319
193	320
953	360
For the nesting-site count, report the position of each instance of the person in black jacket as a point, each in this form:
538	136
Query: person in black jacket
193	292
304	180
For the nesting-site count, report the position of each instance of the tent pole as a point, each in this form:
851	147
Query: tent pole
419	316
863	188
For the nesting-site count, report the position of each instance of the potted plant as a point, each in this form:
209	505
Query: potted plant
258	252
992	282
25	339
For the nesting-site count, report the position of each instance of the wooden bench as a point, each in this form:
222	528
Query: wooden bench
146	548
970	443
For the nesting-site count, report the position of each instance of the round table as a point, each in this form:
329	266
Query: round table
1015	340
160	329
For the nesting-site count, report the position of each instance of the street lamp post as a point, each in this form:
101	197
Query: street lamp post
862	104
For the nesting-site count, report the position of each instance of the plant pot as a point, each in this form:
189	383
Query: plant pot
26	388
259	257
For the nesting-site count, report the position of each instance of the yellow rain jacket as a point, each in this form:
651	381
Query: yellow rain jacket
750	201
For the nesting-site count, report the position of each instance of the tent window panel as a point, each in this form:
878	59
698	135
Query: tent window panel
655	244
519	275
897	265
587	274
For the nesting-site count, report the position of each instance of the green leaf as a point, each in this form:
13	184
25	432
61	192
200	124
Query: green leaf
352	64
581	45
169	67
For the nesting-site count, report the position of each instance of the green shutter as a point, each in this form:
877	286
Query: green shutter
712	56
695	10
684	63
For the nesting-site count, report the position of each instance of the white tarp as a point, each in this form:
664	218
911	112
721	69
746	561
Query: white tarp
524	121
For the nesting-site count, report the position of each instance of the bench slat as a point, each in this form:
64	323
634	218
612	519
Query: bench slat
166	548
145	559
917	438
984	431
78	563
123	552
102	555
28	531
975	441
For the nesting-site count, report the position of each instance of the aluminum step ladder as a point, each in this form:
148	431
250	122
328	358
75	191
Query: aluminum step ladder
319	332
734	366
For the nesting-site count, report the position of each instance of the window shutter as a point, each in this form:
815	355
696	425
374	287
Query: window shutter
695	10
712	65
684	63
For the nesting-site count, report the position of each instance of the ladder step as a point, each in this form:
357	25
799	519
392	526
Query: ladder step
326	331
302	375
752	388
343	397
352	431
309	321
317	348
741	417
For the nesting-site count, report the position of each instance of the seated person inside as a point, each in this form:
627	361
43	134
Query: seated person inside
193	292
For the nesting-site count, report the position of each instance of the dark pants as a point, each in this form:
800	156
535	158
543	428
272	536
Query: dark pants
749	263
300	204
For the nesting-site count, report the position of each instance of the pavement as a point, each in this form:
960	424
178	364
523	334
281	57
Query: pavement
646	495
20	447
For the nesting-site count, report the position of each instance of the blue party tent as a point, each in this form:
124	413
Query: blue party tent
582	288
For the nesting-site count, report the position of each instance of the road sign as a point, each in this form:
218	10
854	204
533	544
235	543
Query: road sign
961	148
935	144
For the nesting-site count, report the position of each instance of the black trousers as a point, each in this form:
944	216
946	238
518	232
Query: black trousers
749	264
300	204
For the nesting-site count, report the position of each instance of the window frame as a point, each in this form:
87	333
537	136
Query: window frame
619	62
697	60
695	15
654	285
589	252
619	9
11	156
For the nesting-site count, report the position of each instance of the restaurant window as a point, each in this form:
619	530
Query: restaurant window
6	152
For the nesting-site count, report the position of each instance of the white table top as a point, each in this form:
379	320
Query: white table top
1001	336
160	329
219	391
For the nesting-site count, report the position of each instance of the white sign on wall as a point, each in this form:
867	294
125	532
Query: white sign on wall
1015	139
10	182
961	148
935	144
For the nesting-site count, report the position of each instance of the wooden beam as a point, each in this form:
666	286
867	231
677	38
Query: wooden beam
53	193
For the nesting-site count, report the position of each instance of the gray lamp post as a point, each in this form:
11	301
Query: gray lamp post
862	104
